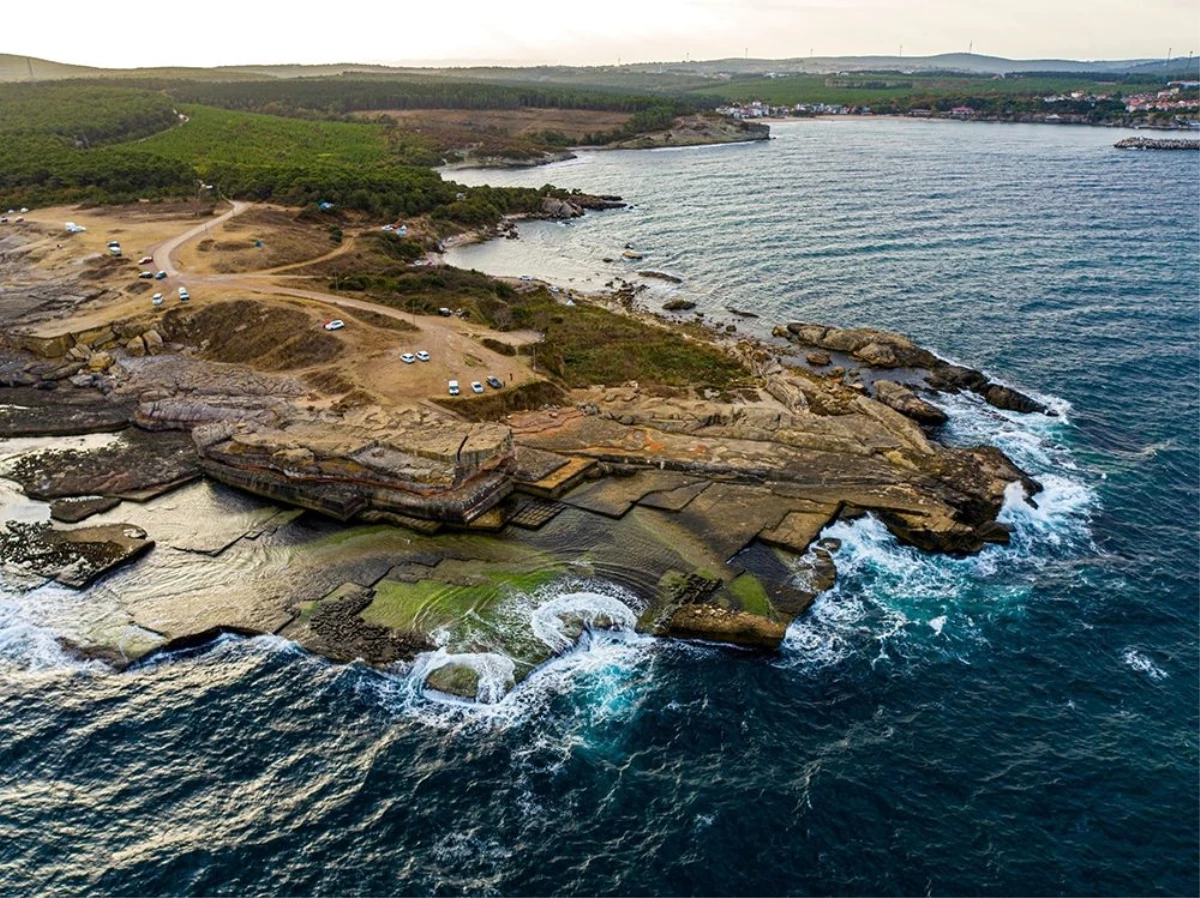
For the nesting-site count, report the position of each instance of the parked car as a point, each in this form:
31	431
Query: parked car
335	325
476	386
445	313
453	388
161	276
146	275
408	358
183	295
145	260
422	355
494	382
157	299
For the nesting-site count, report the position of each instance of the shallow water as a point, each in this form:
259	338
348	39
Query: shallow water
1019	722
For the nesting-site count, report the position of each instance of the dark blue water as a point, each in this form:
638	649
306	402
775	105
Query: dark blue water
1022	722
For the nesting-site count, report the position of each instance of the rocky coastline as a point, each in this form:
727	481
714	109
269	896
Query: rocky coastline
709	505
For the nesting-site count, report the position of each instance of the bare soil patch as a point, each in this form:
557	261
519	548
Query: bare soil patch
268	337
259	239
573	123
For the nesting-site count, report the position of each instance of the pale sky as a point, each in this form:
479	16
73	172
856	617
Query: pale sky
576	32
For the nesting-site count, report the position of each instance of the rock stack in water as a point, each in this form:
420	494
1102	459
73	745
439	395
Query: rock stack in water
894	352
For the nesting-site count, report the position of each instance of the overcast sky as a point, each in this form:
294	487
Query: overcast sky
224	32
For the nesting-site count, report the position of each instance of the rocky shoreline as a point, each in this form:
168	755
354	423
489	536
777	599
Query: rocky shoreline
708	505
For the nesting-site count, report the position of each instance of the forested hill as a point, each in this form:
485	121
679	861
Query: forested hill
84	114
86	143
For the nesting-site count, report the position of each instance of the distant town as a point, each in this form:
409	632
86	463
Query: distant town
1176	106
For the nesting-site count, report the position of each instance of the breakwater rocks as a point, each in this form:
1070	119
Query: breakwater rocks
876	349
1157	143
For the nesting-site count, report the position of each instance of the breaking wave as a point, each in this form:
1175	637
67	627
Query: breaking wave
890	598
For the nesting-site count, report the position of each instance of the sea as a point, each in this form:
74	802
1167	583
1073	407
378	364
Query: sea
1020	722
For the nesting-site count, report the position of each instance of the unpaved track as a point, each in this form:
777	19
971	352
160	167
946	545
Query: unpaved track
447	339
164	253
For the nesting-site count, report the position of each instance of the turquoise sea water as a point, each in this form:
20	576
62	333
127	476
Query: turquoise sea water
1020	722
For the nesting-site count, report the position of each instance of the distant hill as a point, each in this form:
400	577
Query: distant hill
17	68
666	76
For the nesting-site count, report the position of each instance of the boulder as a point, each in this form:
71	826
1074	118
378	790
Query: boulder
154	342
100	361
136	347
954	378
787	391
1012	400
879	349
678	305
903	400
454	679
555	208
818	359
711	622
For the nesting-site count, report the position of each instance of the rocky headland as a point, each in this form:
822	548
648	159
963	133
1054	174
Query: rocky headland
709	505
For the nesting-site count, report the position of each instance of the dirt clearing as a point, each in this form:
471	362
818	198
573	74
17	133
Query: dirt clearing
573	123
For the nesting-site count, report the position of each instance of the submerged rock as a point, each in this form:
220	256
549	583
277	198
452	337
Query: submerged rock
71	511
72	557
137	466
678	305
344	635
454	679
1012	400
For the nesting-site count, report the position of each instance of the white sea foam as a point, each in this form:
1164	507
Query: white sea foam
494	671
551	620
596	668
885	588
1142	664
26	646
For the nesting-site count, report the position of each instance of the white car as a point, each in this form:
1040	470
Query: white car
476	386
182	292
453	388
146	275
335	325
146	260
422	355
408	358
183	295
157	299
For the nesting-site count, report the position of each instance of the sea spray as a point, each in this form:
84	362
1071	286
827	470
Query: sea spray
885	588
561	621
